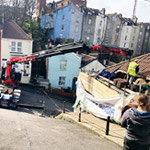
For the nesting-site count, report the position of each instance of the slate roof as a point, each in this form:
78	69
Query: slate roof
13	31
86	59
92	11
144	65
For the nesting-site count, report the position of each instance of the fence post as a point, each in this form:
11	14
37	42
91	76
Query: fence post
80	115
64	107
107	125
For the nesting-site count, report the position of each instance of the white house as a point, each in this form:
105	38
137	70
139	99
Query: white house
16	43
63	70
100	28
91	64
129	35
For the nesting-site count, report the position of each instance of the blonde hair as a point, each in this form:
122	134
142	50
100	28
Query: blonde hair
142	100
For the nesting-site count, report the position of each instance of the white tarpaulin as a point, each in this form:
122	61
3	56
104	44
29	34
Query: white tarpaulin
101	107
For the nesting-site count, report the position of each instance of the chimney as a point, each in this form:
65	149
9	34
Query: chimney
120	15
135	19
103	11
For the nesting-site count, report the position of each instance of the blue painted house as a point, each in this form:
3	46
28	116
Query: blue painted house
63	70
64	23
68	23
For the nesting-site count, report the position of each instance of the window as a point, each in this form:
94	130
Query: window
62	27
140	33
60	36
100	23
117	29
147	34
99	31
76	30
13	46
141	26
127	30
89	30
148	27
62	81
126	23
90	21
116	37
88	38
131	45
63	17
133	38
19	48
125	38
109	25
98	40
63	65
114	18
139	39
139	46
134	30
124	44
16	46
77	20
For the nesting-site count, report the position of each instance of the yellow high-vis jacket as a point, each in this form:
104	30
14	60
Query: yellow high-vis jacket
132	68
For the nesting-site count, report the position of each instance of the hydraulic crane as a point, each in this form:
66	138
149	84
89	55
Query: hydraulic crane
12	98
111	49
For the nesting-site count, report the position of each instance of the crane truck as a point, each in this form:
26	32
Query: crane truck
9	92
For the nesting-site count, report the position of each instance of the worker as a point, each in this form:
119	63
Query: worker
137	124
133	69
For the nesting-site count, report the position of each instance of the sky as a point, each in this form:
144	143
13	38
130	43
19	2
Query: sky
122	6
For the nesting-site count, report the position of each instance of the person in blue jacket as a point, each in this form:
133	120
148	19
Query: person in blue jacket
137	124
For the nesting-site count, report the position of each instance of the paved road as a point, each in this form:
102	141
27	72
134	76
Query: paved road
25	131
53	103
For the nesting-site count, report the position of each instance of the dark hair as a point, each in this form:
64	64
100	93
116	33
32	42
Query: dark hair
142	100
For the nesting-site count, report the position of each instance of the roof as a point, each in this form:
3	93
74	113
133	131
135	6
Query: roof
109	15
13	31
91	11
143	61
128	20
86	59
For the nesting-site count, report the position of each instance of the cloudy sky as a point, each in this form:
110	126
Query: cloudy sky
123	6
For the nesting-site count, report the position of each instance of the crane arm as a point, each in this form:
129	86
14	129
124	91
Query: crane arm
58	50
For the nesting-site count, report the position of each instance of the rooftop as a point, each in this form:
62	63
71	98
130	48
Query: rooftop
13	31
86	59
144	65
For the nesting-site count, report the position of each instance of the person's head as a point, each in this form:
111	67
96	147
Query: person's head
142	100
136	60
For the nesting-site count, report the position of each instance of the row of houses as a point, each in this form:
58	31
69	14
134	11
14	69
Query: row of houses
62	70
68	19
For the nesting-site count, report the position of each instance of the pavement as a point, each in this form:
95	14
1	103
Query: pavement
88	121
96	125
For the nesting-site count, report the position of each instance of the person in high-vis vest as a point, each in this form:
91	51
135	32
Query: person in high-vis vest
133	69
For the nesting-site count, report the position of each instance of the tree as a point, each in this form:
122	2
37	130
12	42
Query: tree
40	39
66	41
18	10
